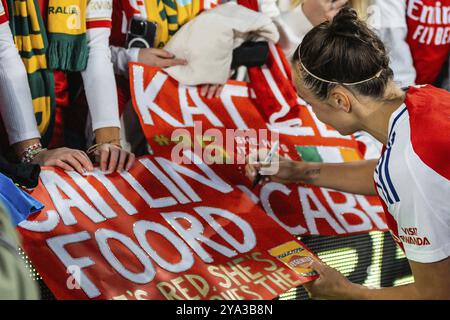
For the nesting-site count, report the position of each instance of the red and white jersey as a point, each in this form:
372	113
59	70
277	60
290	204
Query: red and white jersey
428	37
413	175
3	12
99	14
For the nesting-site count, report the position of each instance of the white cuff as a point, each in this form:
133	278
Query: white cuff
99	81
120	58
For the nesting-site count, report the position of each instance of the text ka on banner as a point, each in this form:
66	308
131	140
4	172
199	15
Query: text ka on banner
168	110
159	231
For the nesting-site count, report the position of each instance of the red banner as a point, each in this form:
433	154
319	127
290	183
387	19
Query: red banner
168	111
159	231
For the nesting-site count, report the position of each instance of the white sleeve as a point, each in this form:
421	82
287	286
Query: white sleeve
423	213
99	81
121	57
16	105
389	21
293	25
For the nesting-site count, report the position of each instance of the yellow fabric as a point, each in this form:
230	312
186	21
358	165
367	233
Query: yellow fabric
35	63
163	12
30	42
43	105
67	16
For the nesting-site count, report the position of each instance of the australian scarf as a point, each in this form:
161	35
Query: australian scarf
63	47
170	15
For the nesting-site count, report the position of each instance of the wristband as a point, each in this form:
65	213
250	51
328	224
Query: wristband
95	147
31	152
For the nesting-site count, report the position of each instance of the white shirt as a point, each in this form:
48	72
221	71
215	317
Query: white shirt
416	196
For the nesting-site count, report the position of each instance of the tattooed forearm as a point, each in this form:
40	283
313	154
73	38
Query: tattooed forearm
311	172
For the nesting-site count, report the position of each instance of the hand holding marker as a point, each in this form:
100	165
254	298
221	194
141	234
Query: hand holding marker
267	160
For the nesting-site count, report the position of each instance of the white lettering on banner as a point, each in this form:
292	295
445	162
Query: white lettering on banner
347	207
176	192
228	92
285	107
373	211
248	192
46	225
145	98
292	127
120	199
194	235
266	192
151	202
311	214
92	194
148	274
57	245
249	241
199	108
340	210
212	180
53	183
141	228
145	253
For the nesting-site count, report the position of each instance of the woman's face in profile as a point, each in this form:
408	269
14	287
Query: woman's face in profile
325	112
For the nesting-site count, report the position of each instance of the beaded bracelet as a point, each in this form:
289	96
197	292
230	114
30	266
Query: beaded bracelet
31	152
95	147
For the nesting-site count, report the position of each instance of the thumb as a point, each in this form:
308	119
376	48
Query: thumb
317	266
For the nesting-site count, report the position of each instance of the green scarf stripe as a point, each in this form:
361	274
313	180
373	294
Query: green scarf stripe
41	82
163	14
170	3
67	52
172	19
29	54
22	28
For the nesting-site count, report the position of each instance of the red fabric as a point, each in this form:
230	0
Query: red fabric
267	101
429	120
3	13
62	102
428	37
117	36
43	6
98	24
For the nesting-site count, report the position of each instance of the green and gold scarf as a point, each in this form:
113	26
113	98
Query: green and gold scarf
170	15
63	47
